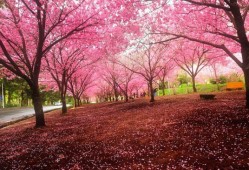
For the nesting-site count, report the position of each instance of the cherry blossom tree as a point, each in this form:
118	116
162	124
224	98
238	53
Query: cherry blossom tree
192	58
146	63
166	68
62	62
123	83
79	82
104	92
216	66
110	75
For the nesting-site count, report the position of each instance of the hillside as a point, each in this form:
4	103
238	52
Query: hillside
174	132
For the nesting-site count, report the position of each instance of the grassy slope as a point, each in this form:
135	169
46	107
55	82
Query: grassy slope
175	132
185	89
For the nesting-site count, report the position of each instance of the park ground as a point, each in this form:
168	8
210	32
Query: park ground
175	132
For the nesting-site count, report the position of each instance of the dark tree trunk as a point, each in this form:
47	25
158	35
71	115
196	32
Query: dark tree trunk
116	95
163	87
149	89
246	74
63	101
126	97
115	92
241	32
4	92
64	105
193	82
75	101
152	97
216	79
39	114
78	102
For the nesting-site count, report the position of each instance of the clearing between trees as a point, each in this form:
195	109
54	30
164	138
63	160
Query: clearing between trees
174	132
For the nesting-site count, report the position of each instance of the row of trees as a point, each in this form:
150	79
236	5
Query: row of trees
17	92
34	30
153	64
220	24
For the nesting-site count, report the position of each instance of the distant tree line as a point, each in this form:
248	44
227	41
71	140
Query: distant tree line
17	93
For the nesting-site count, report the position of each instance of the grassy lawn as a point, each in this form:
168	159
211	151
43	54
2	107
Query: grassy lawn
175	132
186	89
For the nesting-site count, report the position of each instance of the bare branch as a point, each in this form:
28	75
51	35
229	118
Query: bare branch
208	5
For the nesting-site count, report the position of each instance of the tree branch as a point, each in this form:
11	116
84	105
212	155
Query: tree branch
208	5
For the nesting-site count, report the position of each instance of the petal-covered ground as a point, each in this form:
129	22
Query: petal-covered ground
176	132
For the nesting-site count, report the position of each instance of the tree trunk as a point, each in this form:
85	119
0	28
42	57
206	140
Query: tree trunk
246	74
193	82
217	84
241	32
4	93
64	105
39	114
163	87
78	101
75	102
126	97
116	95
149	89
152	97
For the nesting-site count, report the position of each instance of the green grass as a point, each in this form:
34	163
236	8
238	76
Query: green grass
186	89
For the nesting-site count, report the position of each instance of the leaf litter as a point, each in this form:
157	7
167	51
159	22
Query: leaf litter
175	132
